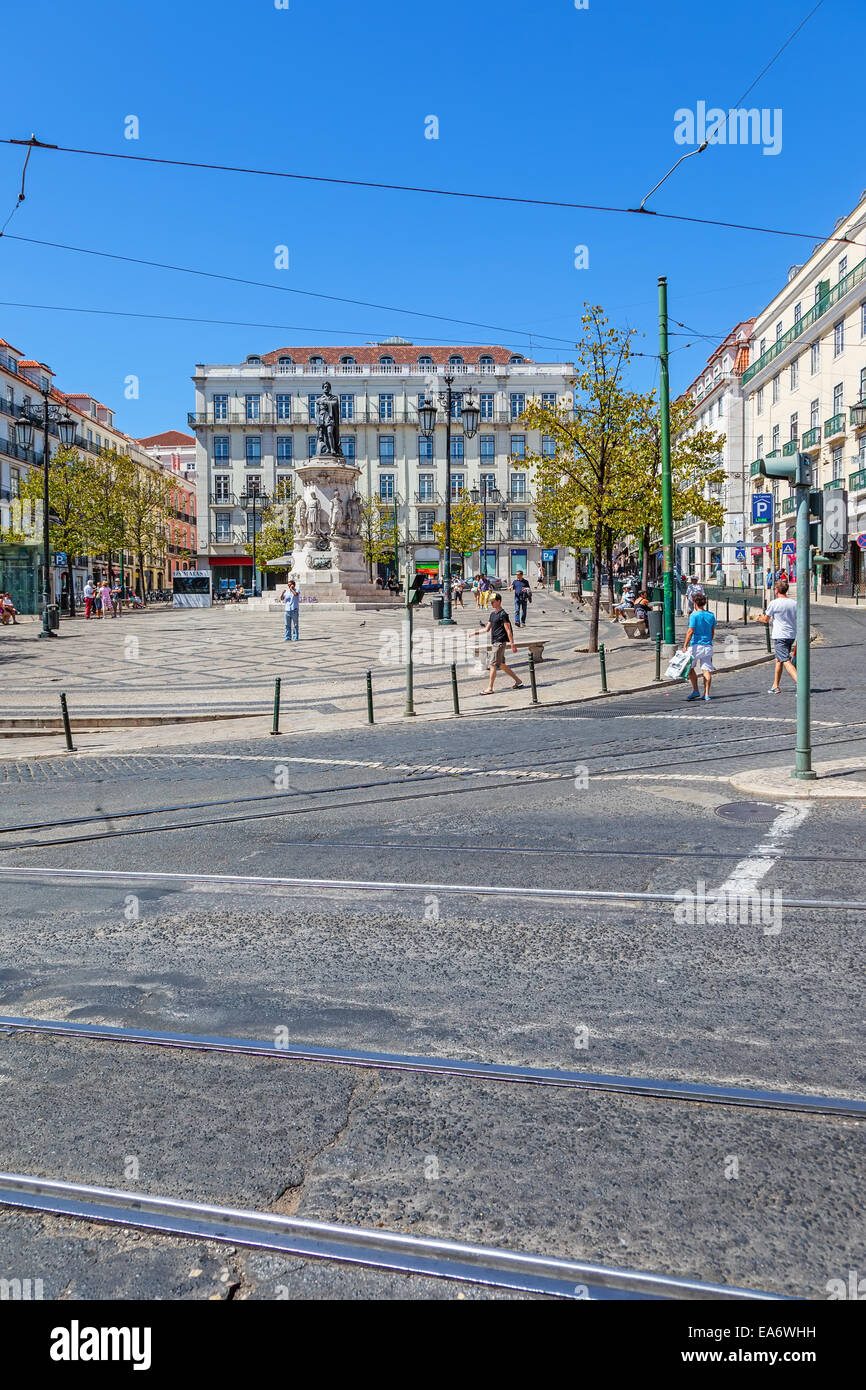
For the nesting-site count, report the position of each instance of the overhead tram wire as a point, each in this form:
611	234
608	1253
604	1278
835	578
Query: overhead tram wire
434	192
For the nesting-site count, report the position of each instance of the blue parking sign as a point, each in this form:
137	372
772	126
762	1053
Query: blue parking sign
740	553
762	508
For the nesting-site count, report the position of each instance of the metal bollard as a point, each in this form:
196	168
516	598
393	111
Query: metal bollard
603	669
836	599
70	748
658	674
767	631
727	610
532	679
745	610
276	726
370	719
455	693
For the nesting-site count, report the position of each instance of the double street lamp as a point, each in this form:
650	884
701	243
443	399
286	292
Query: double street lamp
470	416
48	415
486	493
249	501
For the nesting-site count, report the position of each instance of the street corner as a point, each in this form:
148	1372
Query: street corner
844	779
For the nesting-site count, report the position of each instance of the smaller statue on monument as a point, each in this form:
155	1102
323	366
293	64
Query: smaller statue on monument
313	511
300	517
328	423
354	515
336	515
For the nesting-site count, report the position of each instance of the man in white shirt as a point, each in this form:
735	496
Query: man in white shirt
782	613
695	587
89	596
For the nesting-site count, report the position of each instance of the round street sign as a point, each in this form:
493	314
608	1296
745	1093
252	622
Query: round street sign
861	540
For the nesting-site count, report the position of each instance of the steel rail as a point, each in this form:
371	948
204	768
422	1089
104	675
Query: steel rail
356	1245
613	853
357	885
706	1093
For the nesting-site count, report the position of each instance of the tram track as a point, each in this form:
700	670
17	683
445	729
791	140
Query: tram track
653	1088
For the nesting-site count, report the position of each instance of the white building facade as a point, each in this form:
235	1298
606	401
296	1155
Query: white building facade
254	420
807	369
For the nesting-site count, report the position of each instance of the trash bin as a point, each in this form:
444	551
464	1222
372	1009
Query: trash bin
654	623
53	617
556	586
438	609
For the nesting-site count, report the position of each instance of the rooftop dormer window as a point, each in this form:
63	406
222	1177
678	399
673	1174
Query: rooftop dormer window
347	361
515	360
425	361
386	361
284	361
455	361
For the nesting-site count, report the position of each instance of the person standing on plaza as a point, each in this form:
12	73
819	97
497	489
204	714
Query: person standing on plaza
105	599
522	596
702	625
695	587
501	636
782	613
117	598
89	595
291	602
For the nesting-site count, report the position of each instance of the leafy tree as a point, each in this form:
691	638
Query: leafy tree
467	527
146	508
378	537
277	536
105	511
70	483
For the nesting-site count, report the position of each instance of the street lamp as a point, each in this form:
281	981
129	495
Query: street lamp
484	495
858	414
49	415
427	422
248	502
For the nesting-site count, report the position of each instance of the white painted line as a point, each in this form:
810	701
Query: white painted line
747	874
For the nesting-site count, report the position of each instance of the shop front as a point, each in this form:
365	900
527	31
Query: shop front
427	562
19	576
229	571
518	560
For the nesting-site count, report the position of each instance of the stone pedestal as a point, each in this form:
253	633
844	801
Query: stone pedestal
328	562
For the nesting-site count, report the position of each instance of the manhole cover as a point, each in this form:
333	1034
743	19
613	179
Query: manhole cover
753	812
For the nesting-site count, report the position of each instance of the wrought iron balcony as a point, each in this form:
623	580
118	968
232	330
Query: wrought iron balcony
834	426
811	439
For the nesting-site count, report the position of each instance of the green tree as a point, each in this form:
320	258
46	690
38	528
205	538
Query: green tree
105	514
467	527
378	537
145	498
277	536
70	482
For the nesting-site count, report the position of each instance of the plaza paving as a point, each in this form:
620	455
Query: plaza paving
197	664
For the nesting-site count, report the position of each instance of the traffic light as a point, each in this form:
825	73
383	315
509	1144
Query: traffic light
795	469
416	588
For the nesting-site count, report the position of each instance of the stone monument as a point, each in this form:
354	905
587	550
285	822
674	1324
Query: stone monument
328	561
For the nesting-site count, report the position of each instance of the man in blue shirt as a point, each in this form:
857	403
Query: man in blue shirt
291	602
521	598
700	634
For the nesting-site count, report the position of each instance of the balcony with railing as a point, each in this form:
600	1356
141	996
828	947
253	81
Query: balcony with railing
755	468
428	499
833	484
219	499
857	481
811	439
790	448
789	504
848	282
235	537
834	426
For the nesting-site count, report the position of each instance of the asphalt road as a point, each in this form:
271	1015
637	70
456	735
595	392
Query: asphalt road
622	797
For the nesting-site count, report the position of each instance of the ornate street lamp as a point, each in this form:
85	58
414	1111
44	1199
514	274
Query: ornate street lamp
470	416
484	495
24	433
858	415
249	501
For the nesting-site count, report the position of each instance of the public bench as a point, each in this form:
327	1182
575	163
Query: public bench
535	648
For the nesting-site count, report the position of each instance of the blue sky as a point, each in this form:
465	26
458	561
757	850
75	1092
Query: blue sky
539	100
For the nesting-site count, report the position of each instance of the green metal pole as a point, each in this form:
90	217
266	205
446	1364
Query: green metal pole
455	693
396	545
803	758
603	669
667	490
409	708
370	719
276	725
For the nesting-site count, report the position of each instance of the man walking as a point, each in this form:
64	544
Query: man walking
700	634
522	597
501	635
695	587
782	613
291	601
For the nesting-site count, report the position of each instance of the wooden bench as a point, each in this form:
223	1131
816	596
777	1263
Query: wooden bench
535	648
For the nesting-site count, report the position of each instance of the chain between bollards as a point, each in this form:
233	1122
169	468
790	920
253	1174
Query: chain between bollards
658	674
70	748
455	693
370	719
603	669
532	679
276	724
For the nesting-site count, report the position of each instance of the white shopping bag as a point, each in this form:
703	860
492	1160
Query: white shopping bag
679	666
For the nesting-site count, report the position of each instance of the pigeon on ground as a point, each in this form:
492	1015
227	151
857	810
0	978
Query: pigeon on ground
364	622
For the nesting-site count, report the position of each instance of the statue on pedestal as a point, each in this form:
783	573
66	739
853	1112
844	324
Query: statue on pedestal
328	423
335	519
313	510
354	515
300	517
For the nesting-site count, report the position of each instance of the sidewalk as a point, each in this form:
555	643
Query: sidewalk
204	665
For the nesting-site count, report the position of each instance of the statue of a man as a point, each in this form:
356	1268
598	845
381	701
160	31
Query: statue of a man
335	518
312	513
300	517
354	515
328	423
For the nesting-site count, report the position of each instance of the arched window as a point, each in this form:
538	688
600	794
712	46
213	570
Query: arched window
347	361
425	361
254	360
486	361
386	361
317	361
455	361
516	359
284	361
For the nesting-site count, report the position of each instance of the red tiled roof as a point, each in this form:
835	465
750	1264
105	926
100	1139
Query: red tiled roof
402	354
30	363
168	437
3	343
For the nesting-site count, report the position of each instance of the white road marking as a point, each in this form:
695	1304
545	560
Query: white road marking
747	874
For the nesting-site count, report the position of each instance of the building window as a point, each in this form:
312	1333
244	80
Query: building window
518	446
798	311
863	319
794	430
425	361
814	415
222	487
516	360
317	362
548	446
386	448
426	487
838	463
348	443
458	483
838	399
425	446
775	388
487	483
456	405
779	331
457	448
284	361
284	407
223	526
220	407
815	359
283	487
843	267
347	407
518	526
426	521
455	361
488	447
311	405
775	438
253	449
254	523
284	447
795	374
347	361
252	406
386	487
838	338
491	525
386	407
221	446
517	487
759	401
487	398
518	404
311	446
862	396
762	347
548	400
760	446
386	361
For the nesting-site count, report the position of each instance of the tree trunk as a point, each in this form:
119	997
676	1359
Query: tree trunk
644	558
70	585
142	592
597	557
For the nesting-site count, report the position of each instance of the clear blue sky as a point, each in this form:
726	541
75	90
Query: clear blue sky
541	100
